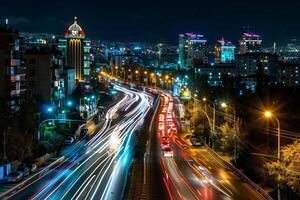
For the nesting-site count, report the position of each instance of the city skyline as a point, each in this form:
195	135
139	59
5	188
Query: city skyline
149	100
150	22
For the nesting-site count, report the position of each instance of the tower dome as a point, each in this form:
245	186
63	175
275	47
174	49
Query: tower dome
75	30
75	26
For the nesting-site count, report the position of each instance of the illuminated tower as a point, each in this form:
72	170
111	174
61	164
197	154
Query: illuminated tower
77	51
192	50
249	43
224	51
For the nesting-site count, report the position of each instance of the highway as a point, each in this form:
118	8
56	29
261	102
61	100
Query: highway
96	168
198	173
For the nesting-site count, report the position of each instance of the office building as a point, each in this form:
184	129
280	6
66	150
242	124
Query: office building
249	43
76	48
289	74
192	50
12	68
250	65
224	51
215	73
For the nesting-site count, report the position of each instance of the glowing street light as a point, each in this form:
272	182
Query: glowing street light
50	109
69	103
223	105
268	114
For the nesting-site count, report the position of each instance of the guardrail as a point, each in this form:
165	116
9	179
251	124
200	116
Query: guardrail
257	188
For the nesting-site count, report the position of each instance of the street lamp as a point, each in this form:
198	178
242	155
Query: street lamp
224	105
194	106
214	114
153	75
69	103
50	109
268	114
214	111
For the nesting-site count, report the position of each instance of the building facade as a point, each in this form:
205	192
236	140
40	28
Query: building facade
12	68
249	43
45	70
215	73
250	65
192	50
289	74
76	48
224	52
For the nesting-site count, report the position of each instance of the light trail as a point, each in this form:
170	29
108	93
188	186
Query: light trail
95	163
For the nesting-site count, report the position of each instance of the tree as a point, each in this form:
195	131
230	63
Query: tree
287	170
227	137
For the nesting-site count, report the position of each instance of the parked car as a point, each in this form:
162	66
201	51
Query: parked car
197	142
32	167
96	119
69	140
83	133
14	177
25	170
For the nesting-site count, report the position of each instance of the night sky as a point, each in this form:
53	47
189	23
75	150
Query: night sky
158	21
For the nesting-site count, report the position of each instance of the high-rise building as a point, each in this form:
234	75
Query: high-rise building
252	65
45	75
249	43
289	74
192	50
12	68
76	48
224	51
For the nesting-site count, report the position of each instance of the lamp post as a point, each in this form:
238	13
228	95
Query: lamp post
129	71
194	106
268	115
214	112
214	115
146	77
224	105
137	76
153	76
123	71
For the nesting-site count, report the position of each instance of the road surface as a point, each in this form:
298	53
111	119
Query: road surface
197	173
96	168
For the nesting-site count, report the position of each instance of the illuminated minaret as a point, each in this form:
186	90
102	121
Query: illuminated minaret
77	51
